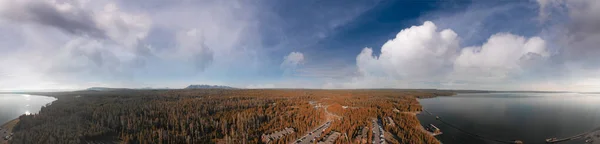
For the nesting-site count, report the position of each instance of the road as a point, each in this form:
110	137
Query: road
3	133
377	132
6	129
313	135
593	137
331	115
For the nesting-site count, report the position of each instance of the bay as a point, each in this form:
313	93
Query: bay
14	105
529	117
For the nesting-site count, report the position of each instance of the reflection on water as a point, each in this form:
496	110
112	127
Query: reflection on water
14	105
530	117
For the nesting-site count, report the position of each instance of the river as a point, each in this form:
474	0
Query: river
529	117
14	105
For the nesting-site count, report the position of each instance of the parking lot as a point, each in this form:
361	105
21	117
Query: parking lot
313	135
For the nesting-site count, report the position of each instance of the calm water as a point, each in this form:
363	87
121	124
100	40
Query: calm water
14	105
529	117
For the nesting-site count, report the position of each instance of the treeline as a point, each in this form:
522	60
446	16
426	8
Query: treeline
364	106
210	115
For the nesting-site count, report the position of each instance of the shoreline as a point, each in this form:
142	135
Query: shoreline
7	128
420	126
6	124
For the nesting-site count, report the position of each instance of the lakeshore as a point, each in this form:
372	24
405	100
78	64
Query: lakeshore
6	130
12	106
527	117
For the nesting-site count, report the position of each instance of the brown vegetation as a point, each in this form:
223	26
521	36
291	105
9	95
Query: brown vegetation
218	116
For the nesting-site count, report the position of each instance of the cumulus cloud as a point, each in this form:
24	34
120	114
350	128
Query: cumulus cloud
562	56
416	52
425	57
502	56
292	61
78	40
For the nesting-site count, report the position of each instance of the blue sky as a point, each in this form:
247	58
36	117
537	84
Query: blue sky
446	44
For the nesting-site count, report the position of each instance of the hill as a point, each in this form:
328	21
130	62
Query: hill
209	87
104	89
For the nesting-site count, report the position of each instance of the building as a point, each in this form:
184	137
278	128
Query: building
266	138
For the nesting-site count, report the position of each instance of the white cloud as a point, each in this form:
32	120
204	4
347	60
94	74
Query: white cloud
416	52
66	42
502	56
424	57
292	61
77	41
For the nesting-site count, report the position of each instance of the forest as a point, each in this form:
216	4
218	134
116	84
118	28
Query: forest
234	116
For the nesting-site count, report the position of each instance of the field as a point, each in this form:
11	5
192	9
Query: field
227	116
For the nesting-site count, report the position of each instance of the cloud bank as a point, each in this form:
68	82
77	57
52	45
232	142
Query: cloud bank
426	57
502	57
76	43
560	58
518	45
62	16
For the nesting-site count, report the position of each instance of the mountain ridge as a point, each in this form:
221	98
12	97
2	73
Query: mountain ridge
204	86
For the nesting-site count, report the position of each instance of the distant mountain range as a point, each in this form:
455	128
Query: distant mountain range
105	89
209	87
149	88
116	89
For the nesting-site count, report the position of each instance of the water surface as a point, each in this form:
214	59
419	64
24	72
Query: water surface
14	105
529	117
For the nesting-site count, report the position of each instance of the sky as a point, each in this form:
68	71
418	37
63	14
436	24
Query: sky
541	45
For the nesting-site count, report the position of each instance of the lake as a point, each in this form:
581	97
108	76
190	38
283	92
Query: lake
529	117
14	105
